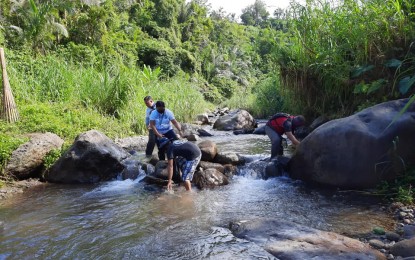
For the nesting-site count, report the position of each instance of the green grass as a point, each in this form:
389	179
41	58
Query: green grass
328	43
58	96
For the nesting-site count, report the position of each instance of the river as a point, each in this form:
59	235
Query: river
127	219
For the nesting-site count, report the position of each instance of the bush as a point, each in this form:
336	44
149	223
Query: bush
226	86
7	145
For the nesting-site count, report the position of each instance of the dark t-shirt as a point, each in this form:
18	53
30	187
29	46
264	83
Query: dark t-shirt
184	149
287	125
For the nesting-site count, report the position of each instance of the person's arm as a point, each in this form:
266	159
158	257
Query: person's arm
292	138
153	126
170	174
177	125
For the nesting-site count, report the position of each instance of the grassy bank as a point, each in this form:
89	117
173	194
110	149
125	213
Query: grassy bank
54	94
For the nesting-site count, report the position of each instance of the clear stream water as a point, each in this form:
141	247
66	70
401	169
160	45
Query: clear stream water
131	220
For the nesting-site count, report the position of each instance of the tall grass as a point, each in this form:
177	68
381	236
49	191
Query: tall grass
329	41
112	90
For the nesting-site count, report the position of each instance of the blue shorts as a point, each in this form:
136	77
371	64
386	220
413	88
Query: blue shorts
187	168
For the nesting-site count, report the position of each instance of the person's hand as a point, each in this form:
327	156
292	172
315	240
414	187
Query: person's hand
169	185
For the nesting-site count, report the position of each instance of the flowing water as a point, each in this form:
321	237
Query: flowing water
130	220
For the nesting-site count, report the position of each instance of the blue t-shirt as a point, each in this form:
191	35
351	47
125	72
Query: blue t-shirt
148	112
162	121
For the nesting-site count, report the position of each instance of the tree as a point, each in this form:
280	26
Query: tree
39	23
255	14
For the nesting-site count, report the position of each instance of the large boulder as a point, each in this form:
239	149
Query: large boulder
288	240
93	157
27	160
359	151
235	120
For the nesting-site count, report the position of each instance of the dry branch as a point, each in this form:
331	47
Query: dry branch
9	109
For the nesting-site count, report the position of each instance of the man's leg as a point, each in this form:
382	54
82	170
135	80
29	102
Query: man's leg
188	169
151	142
275	141
188	185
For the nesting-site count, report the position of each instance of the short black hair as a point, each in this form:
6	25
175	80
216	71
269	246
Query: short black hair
146	98
160	104
299	120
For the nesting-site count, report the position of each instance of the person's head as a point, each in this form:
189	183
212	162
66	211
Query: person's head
160	107
298	121
148	101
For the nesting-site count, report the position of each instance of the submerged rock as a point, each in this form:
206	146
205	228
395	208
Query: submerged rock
288	240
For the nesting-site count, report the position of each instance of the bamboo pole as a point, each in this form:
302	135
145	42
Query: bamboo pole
9	109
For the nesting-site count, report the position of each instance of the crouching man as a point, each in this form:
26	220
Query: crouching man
187	156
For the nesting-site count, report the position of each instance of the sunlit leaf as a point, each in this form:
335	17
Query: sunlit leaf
360	88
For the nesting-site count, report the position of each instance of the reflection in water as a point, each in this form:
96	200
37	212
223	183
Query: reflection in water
124	220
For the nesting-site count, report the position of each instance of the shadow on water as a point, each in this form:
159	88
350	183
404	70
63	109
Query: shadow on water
126	220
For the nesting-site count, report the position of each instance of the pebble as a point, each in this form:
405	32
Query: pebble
408	231
402	215
376	243
392	236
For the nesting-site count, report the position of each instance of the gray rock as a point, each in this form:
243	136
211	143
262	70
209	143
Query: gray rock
93	157
376	243
392	236
358	151
204	118
288	240
27	160
404	248
409	231
193	137
132	168
209	150
230	170
209	178
203	132
189	130
133	143
228	158
208	165
235	120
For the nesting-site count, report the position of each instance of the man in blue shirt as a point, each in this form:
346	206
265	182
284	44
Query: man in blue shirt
160	123
187	156
151	136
